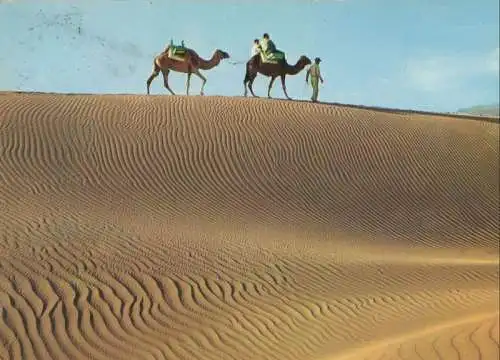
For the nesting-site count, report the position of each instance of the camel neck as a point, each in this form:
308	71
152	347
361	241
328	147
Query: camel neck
209	64
293	69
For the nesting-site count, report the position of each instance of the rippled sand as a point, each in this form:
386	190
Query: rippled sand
163	227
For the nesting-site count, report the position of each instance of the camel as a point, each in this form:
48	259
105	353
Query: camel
281	69
192	64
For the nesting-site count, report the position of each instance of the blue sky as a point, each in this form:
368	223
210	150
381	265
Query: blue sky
437	55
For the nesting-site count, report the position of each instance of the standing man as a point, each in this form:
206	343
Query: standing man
315	74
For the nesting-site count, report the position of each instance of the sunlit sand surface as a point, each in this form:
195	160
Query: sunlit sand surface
161	227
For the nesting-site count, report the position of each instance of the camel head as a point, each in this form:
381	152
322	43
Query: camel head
304	61
221	54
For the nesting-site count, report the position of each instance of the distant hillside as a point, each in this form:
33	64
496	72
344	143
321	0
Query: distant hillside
492	110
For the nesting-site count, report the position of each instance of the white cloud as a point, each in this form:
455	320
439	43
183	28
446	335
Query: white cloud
438	73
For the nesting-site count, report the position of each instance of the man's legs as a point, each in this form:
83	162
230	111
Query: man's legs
315	86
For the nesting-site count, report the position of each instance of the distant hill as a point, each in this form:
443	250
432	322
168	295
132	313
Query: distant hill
491	110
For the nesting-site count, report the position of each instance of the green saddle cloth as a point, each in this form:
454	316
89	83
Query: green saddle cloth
177	50
273	57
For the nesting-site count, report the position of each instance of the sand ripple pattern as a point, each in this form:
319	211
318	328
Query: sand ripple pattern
136	227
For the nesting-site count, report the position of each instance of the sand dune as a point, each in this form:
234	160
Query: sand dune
137	227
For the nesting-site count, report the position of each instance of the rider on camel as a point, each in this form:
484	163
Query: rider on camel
267	45
256	48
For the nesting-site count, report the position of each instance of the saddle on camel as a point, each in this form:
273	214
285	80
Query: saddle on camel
177	52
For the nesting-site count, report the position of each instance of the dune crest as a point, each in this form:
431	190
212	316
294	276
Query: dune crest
137	227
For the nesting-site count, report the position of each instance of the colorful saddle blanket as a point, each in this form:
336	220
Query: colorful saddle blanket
177	52
272	58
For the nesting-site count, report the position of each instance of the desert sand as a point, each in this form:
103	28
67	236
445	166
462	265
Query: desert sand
174	227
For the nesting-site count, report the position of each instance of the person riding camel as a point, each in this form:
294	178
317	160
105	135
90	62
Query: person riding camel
269	50
256	49
267	45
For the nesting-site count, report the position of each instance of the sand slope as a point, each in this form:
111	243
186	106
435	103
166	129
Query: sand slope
136	227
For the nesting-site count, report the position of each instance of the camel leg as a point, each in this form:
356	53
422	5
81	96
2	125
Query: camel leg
156	71
203	79
284	86
270	86
188	82
165	80
150	80
250	83
248	77
245	80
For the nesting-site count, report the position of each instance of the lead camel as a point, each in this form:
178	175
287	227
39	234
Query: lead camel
273	70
